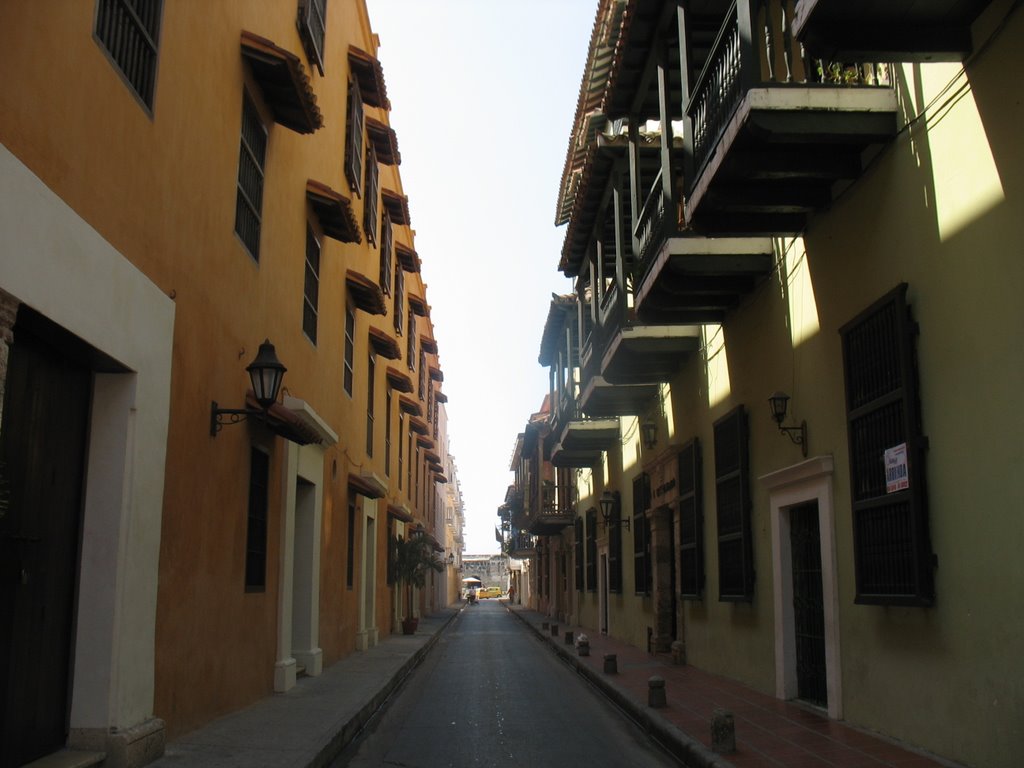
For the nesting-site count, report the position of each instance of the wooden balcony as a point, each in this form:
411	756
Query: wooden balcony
772	136
582	440
684	277
893	30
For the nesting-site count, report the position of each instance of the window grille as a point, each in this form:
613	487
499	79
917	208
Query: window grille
129	30
732	501
256	522
691	522
401	446
350	349
893	559
312	24
350	548
387	432
252	157
410	341
641	535
311	288
615	551
354	138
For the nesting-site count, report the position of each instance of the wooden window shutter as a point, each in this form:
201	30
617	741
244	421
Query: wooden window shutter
615	551
372	195
577	548
386	244
641	535
410	340
354	138
591	550
691	522
732	501
893	560
312	24
399	309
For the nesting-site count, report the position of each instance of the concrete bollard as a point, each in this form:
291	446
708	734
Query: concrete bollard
554	630
723	732
568	637
656	692
582	645
544	625
611	664
678	653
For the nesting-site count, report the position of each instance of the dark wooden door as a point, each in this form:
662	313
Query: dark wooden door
42	453
808	604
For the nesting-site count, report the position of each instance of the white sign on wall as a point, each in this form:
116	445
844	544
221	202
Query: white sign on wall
896	477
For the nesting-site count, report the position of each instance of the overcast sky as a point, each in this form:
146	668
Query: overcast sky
483	93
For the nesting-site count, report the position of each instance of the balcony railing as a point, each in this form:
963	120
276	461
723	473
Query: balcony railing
755	47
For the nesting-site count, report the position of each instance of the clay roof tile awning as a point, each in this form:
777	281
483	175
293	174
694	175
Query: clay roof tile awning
407	257
367	484
334	210
281	421
440	396
383	344
397	205
418	305
398	380
366	293
283	82
436	374
410	406
385	142
419	426
368	72
428	345
400	512
425	441
439	478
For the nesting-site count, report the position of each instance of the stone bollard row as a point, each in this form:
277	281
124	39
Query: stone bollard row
656	692
611	664
723	732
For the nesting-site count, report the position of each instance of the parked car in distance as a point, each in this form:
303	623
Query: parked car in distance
489	592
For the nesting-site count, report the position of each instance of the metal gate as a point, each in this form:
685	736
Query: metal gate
808	604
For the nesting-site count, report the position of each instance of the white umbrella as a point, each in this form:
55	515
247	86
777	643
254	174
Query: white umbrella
471	580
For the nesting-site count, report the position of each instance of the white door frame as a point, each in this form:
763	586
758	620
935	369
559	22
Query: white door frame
808	481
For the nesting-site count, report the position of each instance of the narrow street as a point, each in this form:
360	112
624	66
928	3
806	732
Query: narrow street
491	694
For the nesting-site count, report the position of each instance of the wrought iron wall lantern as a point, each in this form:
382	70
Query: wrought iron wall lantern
265	374
610	505
649	433
778	402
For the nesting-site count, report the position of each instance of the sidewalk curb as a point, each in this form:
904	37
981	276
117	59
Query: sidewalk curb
351	729
681	745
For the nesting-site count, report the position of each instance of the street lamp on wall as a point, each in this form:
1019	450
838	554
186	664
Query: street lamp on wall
265	374
609	502
778	403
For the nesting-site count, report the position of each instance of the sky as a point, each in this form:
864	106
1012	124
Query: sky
483	94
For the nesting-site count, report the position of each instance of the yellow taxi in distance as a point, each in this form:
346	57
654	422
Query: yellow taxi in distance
489	592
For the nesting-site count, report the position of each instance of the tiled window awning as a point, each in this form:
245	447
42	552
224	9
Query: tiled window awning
367	484
283	82
397	205
400	512
334	210
385	141
368	72
425	442
418	305
436	374
384	345
366	293
281	421
439	478
432	458
410	406
398	380
440	396
419	426
409	259
428	345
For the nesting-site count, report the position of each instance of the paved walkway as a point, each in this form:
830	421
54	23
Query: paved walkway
769	733
314	721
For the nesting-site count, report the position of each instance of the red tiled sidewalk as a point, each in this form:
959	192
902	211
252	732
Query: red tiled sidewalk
769	732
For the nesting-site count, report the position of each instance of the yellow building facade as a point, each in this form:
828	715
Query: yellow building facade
841	237
178	186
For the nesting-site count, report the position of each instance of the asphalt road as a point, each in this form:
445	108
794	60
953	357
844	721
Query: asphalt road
491	694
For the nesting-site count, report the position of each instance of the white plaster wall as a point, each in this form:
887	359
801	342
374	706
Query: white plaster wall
52	260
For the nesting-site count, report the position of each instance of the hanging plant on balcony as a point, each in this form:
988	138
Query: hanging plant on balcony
411	559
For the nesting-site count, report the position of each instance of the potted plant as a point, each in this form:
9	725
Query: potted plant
412	557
